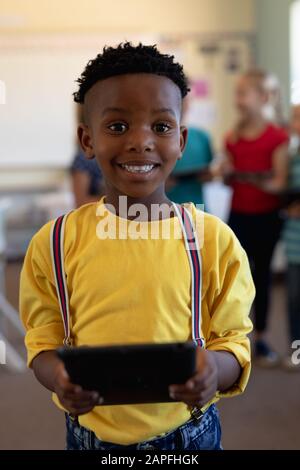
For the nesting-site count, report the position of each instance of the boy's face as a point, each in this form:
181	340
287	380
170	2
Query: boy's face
133	130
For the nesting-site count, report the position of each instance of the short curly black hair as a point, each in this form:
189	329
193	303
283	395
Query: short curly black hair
125	59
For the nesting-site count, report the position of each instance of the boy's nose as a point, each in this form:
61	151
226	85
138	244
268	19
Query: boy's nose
140	143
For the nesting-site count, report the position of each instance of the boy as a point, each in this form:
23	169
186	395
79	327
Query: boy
138	290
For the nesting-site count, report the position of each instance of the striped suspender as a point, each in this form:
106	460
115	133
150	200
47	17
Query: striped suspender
57	255
194	256
193	252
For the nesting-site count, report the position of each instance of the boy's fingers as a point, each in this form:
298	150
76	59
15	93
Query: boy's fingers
200	382
87	397
174	389
73	391
70	389
185	393
79	394
191	400
193	383
80	405
61	373
199	399
80	411
63	381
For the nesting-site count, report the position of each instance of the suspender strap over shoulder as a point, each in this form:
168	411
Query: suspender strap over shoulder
194	256
57	255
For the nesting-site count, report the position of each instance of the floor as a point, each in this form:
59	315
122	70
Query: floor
267	416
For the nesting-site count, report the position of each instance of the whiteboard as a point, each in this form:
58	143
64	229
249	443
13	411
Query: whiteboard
37	119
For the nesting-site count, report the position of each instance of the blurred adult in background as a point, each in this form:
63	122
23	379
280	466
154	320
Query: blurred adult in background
291	237
256	167
87	179
193	169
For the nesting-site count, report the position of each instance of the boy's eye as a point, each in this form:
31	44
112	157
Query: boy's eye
162	127
118	127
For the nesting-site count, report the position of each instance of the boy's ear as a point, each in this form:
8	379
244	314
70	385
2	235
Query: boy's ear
85	140
183	139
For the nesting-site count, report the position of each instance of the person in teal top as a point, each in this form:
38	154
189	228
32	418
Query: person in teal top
192	169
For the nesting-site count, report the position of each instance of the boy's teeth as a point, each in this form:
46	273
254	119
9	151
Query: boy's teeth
138	168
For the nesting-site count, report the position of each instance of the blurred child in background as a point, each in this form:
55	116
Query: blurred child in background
87	178
291	238
256	164
185	183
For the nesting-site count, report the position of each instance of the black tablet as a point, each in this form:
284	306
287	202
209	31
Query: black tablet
128	374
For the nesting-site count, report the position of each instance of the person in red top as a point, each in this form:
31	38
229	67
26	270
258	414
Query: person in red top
256	167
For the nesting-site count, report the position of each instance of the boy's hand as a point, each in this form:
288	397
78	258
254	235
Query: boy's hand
73	398
202	387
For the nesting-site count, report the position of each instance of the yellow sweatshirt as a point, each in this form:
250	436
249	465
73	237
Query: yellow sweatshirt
127	290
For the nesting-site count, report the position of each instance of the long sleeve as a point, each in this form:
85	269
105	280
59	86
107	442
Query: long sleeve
229	295
39	307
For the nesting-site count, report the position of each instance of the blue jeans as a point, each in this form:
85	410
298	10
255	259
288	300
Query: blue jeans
196	434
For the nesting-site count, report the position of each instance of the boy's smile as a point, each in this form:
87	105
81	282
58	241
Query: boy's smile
133	130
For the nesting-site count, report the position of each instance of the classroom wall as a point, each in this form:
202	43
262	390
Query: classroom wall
43	42
126	15
43	20
273	40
